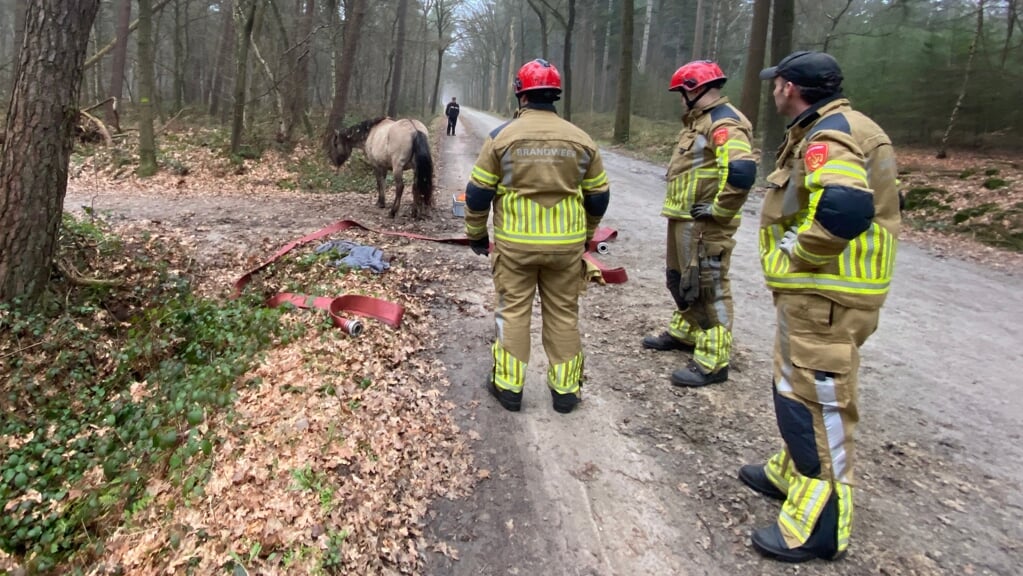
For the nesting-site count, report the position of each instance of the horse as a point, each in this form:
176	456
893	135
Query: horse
390	145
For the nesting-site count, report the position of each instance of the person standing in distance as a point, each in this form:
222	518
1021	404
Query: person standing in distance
452	113
709	178
828	233
544	179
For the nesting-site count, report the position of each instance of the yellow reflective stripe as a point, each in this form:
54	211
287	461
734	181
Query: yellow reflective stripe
525	221
475	231
717	210
564	378
737	145
509	372
484	176
815	259
799	515
845	514
706	173
596	181
777	471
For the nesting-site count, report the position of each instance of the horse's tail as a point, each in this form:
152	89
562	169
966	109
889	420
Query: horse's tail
422	164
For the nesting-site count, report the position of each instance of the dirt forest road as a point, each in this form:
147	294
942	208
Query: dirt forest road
641	480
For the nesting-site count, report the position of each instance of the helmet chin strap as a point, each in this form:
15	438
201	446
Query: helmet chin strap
691	103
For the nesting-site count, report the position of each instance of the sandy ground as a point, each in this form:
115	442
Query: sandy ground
641	478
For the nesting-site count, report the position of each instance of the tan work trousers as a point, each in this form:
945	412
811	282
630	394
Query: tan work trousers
696	264
560	278
816	359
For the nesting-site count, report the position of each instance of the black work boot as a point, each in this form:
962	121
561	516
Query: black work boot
666	341
511	401
823	541
565	403
693	376
755	477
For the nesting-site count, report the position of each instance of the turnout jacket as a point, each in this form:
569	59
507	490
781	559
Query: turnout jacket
545	181
834	184
713	163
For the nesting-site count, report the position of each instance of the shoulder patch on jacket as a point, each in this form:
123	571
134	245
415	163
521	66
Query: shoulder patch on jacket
816	156
720	136
723	112
496	131
836	122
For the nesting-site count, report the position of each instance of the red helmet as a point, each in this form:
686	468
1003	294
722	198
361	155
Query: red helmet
695	74
537	74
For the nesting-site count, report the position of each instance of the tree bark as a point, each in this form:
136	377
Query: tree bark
623	107
301	55
751	85
226	48
647	26
117	67
1010	26
541	15
247	13
20	12
697	52
605	61
179	56
354	13
37	143
399	58
943	148
104	50
781	45
147	137
511	103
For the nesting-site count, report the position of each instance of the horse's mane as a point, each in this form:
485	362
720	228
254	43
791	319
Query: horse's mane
360	130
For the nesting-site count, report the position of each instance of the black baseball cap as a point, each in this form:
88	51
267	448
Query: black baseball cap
807	69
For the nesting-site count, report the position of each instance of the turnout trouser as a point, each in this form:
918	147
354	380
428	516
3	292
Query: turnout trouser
696	273
451	125
816	359
560	278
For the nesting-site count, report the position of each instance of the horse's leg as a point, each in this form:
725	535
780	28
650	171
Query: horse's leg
399	188
381	174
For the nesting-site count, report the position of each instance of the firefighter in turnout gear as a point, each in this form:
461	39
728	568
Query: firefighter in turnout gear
709	177
545	181
828	232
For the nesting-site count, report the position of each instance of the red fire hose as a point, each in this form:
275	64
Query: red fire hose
382	310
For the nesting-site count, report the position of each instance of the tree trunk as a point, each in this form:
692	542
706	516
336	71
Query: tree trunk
943	149
751	85
541	15
104	50
399	57
20	12
226	48
354	13
1011	20
647	26
147	138
698	32
511	103
179	56
781	46
605	61
623	107
302	54
569	28
117	67
37	144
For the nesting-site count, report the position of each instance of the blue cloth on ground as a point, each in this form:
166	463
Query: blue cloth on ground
357	256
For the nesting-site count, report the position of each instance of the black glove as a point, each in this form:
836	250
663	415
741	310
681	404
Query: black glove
701	212
481	246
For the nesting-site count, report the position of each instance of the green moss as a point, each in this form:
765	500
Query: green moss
972	212
994	183
967	173
923	197
998	236
991	172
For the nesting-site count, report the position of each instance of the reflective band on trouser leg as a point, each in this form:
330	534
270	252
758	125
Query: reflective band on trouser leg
802	508
713	348
779	470
509	371
564	378
682	330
